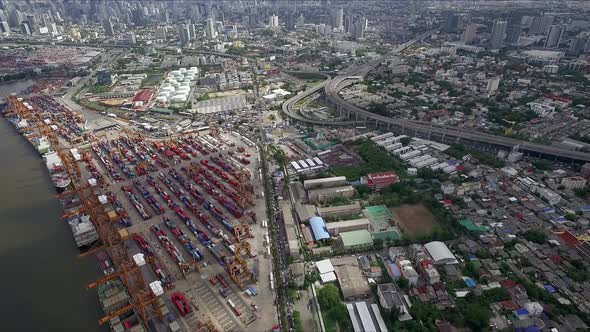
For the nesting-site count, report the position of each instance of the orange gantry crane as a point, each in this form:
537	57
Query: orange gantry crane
142	300
238	268
245	190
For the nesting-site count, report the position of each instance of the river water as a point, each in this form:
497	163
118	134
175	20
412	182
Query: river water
43	283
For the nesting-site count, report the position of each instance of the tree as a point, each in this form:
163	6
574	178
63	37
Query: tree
403	283
477	316
535	236
329	296
405	140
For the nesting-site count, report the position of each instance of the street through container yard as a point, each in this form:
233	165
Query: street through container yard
31	223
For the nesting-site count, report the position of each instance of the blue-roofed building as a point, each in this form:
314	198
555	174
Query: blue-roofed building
521	312
533	328
550	288
470	282
318	227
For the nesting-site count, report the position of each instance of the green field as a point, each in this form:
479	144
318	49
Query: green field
151	80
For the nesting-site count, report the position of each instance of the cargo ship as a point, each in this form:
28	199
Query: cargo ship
84	231
112	297
59	177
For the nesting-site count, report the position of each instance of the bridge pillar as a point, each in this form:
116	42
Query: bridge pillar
388	125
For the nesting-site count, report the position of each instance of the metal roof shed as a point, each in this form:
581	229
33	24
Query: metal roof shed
318	226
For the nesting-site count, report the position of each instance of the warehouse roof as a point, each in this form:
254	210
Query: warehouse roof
319	192
340	208
470	226
318	182
324	266
318	226
224	104
356	238
363	222
440	253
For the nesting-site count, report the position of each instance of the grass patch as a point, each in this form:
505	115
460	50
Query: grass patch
329	323
98	89
151	80
377	160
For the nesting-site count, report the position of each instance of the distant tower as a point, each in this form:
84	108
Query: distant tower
339	18
469	34
451	22
541	24
498	33
211	33
290	24
554	36
108	27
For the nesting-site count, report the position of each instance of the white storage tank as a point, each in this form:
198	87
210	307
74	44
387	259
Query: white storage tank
182	70
168	88
162	99
165	93
183	88
179	98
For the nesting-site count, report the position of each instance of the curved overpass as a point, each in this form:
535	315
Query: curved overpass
417	128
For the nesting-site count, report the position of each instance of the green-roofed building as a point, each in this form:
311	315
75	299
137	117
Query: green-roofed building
161	110
353	240
470	226
382	223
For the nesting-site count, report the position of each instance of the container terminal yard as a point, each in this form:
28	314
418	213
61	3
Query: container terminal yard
177	225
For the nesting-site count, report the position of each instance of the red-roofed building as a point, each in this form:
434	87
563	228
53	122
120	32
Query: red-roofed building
378	181
143	96
555	259
508	283
569	238
509	305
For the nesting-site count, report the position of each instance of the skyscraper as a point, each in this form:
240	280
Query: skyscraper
451	22
339	18
469	33
513	33
541	24
553	36
108	27
211	33
25	29
578	45
5	28
273	21
184	34
498	34
290	24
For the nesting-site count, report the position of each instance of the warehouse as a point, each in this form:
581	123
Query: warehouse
335	228
322	195
440	253
225	104
356	240
293	243
340	211
350	277
335	181
318	227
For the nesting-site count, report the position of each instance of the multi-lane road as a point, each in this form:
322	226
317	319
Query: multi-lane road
331	88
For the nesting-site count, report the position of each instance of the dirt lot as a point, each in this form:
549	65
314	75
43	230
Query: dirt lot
415	220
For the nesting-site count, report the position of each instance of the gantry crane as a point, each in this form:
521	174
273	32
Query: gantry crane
142	299
245	190
238	268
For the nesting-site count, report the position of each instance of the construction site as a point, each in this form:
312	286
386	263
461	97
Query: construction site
180	223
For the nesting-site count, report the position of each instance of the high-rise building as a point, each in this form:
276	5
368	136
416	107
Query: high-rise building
348	20
498	34
451	22
554	36
469	34
4	27
131	38
358	28
14	18
184	34
578	45
300	20
211	32
107	24
290	23
273	21
339	18
513	30
192	29
75	34
493	84
161	32
541	24
25	29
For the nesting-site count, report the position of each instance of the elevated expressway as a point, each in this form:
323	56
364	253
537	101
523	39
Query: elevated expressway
441	133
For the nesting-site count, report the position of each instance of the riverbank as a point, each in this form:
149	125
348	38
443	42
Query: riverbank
45	282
